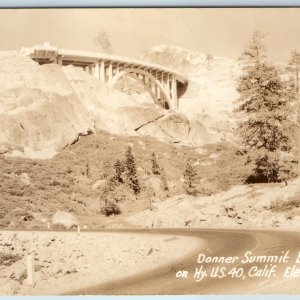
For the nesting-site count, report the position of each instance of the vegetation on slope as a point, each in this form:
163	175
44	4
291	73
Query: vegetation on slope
31	191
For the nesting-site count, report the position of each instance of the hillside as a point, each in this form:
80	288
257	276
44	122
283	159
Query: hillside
73	181
247	206
62	131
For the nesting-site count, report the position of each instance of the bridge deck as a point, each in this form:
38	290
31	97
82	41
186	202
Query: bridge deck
165	85
46	52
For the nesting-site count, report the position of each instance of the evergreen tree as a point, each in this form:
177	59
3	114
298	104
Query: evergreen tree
295	64
164	183
154	165
119	170
255	51
87	169
209	59
266	129
130	171
190	176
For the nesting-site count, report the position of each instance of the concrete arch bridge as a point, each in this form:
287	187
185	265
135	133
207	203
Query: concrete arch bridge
164	85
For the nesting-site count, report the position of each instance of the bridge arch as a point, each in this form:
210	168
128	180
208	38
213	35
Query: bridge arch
154	87
164	85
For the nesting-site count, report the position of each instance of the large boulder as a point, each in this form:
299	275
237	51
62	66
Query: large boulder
175	127
64	219
39	111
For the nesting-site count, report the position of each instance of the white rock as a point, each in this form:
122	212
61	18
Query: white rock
24	178
155	183
205	163
65	219
142	144
214	155
98	184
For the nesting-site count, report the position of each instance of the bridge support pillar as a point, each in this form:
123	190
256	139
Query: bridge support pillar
167	83
97	71
152	87
174	92
90	69
162	79
167	88
102	71
110	72
117	69
157	92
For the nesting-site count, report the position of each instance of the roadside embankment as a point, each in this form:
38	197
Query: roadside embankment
64	261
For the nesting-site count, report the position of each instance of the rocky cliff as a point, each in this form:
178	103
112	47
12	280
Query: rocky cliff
45	108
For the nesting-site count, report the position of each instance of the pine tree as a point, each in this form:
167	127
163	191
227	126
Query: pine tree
266	129
255	51
164	183
130	171
119	170
190	175
209	59
87	169
295	64
154	165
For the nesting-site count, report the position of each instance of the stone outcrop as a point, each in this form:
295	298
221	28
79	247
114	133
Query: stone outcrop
44	108
248	206
64	219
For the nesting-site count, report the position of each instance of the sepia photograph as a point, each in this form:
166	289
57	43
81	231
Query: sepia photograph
149	151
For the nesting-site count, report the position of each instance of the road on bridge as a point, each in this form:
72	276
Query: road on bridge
163	281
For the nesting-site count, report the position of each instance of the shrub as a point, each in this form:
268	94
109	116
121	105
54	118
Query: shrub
207	187
121	194
4	223
279	206
110	208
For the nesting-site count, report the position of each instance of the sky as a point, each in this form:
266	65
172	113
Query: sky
218	31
